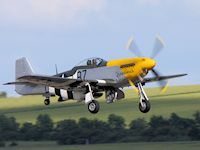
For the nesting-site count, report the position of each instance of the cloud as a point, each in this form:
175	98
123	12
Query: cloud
47	11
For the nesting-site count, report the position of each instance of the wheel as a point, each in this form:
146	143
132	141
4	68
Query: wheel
93	107
146	106
47	101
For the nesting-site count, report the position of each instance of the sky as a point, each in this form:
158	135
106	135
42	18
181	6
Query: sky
64	32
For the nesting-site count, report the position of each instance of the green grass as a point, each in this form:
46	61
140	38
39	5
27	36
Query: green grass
119	146
183	100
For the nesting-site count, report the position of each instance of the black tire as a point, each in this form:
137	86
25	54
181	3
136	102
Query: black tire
46	101
93	107
146	107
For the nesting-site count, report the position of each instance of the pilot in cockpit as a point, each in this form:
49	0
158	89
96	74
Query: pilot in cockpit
89	63
92	62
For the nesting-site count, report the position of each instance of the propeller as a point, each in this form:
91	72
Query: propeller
158	46
132	46
163	84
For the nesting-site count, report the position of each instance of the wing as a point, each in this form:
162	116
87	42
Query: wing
58	82
154	79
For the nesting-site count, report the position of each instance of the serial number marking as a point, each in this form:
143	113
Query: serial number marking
81	74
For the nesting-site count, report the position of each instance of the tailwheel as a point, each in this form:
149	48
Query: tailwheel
47	101
93	107
145	106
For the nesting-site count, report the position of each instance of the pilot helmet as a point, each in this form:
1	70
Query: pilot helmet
89	62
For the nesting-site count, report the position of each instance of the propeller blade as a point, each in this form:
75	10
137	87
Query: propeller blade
163	84
158	46
164	89
132	46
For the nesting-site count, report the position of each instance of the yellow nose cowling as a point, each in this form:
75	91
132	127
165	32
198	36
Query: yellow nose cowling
149	63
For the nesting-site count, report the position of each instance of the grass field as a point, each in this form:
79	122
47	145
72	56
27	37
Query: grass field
125	146
183	100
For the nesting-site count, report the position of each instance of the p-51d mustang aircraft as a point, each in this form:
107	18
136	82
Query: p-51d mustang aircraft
92	77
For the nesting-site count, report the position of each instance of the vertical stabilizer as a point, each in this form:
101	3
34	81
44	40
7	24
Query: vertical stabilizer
23	67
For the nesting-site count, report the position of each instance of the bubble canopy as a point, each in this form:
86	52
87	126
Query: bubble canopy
94	61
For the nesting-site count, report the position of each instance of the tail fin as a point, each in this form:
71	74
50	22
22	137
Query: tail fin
22	68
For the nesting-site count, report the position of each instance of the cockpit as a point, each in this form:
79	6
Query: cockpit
95	62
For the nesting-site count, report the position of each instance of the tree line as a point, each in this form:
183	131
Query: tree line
86	131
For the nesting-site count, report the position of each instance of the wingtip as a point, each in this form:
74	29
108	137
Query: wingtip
9	83
6	84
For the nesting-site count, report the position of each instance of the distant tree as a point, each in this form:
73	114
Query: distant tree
85	126
87	131
3	94
180	126
117	125
181	123
138	127
29	132
158	130
158	121
45	127
116	122
197	117
68	132
194	132
94	131
9	128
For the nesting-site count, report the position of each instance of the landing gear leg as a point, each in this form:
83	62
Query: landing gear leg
144	104
93	105
47	96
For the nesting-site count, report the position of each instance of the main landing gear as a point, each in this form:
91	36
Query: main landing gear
93	105
144	104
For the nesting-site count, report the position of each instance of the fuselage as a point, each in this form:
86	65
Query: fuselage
131	68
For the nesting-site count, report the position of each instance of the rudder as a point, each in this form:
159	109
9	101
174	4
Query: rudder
23	67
